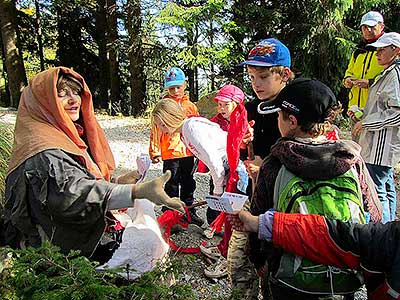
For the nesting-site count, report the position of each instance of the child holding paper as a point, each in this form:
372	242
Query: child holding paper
228	98
198	134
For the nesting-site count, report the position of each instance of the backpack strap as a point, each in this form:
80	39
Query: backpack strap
282	179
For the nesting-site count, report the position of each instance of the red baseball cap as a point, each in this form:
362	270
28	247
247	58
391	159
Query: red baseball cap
230	93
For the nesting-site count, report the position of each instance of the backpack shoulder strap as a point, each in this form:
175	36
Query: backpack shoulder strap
282	180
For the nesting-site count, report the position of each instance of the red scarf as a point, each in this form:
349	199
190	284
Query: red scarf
237	128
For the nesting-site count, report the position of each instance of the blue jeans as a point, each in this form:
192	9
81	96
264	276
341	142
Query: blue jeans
385	187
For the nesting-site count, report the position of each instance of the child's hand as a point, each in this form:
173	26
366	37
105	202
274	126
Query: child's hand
253	167
156	159
248	136
361	83
355	113
348	82
235	222
351	115
357	129
244	221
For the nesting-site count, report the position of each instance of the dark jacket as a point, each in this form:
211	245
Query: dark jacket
307	159
52	196
266	131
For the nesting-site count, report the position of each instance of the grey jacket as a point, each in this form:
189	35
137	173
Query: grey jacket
380	137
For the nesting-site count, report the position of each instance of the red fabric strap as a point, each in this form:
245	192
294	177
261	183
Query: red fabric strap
219	221
170	218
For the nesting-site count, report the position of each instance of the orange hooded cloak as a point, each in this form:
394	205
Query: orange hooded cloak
43	124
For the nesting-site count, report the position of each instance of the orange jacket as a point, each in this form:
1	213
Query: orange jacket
171	146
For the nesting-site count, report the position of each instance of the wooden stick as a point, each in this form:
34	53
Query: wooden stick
250	151
200	203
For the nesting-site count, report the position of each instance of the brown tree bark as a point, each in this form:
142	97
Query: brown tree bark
104	69
4	96
39	35
192	37
137	82
13	55
112	45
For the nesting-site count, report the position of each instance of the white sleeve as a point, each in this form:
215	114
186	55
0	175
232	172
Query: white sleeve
390	96
208	143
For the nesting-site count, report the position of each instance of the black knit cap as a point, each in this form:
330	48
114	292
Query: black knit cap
307	99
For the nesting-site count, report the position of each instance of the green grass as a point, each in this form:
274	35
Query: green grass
6	139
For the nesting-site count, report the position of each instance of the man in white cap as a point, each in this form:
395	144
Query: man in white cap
363	66
379	127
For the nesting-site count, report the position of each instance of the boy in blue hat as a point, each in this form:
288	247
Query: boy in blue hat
171	150
268	65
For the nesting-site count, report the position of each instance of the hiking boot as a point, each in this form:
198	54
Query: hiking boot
211	252
195	218
208	233
217	270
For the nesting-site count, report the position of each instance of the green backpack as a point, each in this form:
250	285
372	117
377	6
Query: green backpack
339	198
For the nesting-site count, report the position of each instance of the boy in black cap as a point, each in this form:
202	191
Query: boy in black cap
306	111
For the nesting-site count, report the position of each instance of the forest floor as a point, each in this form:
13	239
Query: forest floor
129	137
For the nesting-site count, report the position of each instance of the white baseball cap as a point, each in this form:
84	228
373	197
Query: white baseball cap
387	39
371	18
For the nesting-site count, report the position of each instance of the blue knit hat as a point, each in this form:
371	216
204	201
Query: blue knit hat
174	77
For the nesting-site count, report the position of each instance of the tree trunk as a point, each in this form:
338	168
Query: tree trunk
104	69
238	36
192	72
212	66
70	48
4	97
138	82
13	56
112	44
39	35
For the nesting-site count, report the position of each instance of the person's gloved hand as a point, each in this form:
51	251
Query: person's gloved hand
153	190
128	178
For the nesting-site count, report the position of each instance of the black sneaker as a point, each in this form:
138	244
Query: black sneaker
195	218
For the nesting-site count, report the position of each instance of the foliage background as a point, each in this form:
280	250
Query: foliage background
123	47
